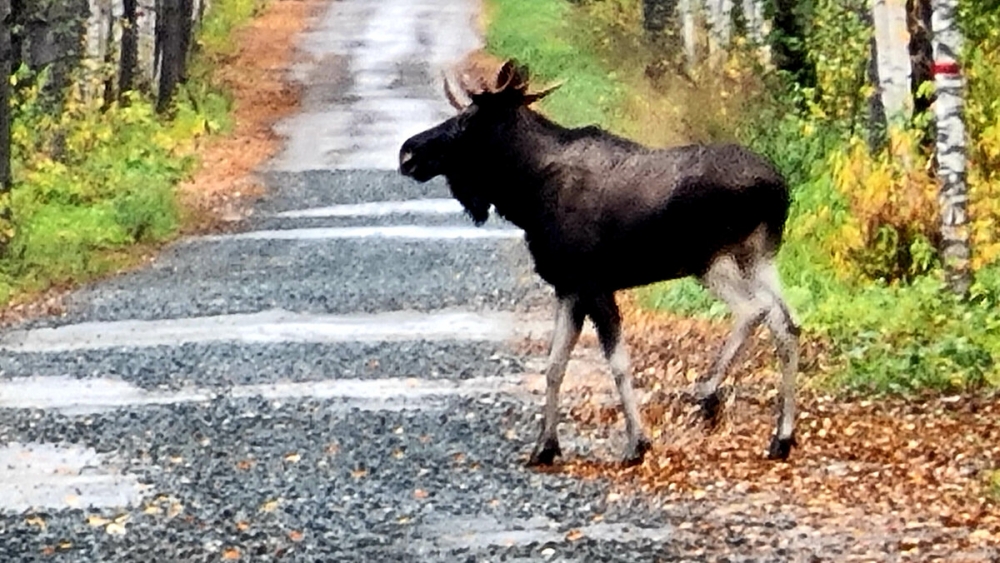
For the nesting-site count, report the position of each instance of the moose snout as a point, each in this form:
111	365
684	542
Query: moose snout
406	162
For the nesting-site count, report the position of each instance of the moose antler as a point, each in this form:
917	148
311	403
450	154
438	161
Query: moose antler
482	73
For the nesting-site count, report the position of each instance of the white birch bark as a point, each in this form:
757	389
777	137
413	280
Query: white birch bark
892	40
96	46
687	12
757	28
951	156
719	14
146	74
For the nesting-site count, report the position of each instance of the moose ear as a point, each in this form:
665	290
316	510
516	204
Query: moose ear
535	96
506	74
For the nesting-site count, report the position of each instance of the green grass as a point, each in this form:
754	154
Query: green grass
92	184
884	339
542	34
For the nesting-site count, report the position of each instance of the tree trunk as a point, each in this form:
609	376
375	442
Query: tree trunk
6	226
877	125
921	59
17	10
170	28
657	15
688	11
892	40
953	197
130	48
787	43
720	21
96	49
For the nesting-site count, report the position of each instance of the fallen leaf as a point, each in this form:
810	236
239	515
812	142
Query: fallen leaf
73	501
293	458
244	464
420	494
574	535
96	520
359	473
36	521
115	529
242	525
269	506
295	535
230	553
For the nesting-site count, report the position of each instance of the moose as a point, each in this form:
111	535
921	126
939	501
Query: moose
601	213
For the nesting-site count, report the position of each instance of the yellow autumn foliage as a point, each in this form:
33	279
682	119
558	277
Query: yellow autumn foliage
893	224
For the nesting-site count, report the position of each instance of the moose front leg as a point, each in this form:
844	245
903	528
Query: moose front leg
569	322
607	318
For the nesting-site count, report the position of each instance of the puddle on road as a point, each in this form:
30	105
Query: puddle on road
389	54
379	209
478	532
46	476
408	232
86	396
276	326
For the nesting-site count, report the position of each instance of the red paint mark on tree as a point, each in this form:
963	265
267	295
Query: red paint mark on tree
946	67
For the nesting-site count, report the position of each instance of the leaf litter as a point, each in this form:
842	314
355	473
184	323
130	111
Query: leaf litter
913	473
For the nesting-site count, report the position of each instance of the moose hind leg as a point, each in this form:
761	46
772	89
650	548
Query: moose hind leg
607	319
569	322
725	279
786	336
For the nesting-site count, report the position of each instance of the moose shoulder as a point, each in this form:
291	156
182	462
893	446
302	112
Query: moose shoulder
602	213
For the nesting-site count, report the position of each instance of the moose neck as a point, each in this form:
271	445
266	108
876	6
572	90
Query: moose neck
515	167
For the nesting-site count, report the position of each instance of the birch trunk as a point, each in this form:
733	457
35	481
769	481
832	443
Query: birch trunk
97	42
892	39
720	22
953	197
687	17
146	22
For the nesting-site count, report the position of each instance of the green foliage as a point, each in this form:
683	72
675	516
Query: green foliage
549	37
90	181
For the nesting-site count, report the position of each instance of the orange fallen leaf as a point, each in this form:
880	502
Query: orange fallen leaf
230	553
420	494
242	525
295	535
574	535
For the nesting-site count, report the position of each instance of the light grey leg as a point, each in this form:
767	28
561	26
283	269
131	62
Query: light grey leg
786	336
569	322
607	318
727	282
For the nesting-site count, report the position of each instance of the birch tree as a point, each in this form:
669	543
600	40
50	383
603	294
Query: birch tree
719	14
688	31
949	86
892	41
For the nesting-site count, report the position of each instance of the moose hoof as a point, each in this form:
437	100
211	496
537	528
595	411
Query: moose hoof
637	453
710	406
781	447
545	453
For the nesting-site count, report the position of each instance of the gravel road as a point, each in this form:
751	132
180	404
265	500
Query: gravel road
300	392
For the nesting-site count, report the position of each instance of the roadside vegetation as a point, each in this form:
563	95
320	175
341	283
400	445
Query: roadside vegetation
860	264
95	184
